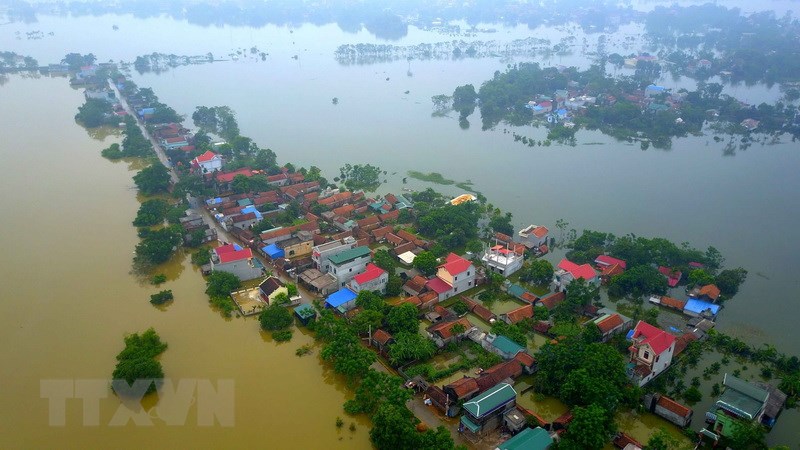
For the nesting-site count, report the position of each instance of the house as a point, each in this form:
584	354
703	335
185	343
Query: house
207	162
455	275
609	272
479	310
518	314
271	288
701	308
568	271
445	332
239	261
550	301
381	340
651	352
322	283
528	439
750	124
708	292
372	279
605	261
653	90
298	246
501	345
462	390
174	142
669	302
342	300
321	253
527	362
534	236
740	402
305	313
514	421
349	263
502	260
484	413
244	221
669	409
415	286
611	324
673	276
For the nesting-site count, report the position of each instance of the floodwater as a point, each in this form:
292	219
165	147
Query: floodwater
68	299
743	204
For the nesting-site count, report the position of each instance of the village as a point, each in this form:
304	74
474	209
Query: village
343	247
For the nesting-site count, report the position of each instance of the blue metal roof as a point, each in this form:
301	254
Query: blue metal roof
340	297
273	251
698	306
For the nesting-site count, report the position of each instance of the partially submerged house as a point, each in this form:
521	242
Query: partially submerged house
502	260
445	332
534	236
372	279
568	271
651	352
484	413
669	409
501	346
528	439
455	275
740	402
239	261
349	263
271	288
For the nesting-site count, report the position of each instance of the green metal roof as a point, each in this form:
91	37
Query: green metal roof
305	310
528	439
490	400
349	255
506	345
471	426
741	397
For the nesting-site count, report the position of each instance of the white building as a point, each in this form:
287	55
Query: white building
321	253
236	260
651	352
208	162
502	260
372	279
349	263
534	236
567	271
455	275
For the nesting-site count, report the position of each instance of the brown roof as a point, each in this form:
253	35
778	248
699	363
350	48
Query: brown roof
463	387
407	236
445	329
437	395
381	337
609	323
336	198
542	327
523	312
380	233
344	211
711	291
371	220
402	248
414	300
416	284
673	302
390	198
391	215
482	312
394	239
553	300
528	297
525	359
682	341
673	406
497	373
428	299
244	217
610	271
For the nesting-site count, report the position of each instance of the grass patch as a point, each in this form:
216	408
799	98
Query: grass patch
431	177
566	329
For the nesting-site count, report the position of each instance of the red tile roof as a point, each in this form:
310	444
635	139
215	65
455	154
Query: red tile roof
336	198
394	239
711	291
455	264
673	303
373	272
673	277
205	157
236	255
553	300
382	337
445	329
605	260
540	231
673	406
227	177
584	271
391	215
416	284
371	220
524	359
528	297
610	271
523	312
609	323
658	339
464	387
438	285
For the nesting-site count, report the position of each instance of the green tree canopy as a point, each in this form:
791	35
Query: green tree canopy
375	389
403	318
275	317
153	179
539	271
591	427
426	263
410	346
221	284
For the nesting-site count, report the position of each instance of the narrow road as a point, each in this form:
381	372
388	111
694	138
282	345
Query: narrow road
156	146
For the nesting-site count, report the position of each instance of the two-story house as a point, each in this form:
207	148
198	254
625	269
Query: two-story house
349	263
534	236
502	260
568	271
455	275
651	352
239	261
484	413
321	253
372	279
207	162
